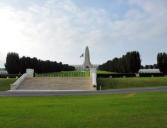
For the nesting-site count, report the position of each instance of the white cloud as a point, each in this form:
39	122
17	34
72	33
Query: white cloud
59	29
146	25
153	26
47	31
154	7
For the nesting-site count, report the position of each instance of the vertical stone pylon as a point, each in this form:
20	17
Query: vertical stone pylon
87	64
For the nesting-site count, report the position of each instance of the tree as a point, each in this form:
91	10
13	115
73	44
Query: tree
41	66
23	65
129	63
12	63
162	62
135	61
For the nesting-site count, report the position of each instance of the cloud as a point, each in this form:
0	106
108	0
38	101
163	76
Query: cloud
153	7
153	26
59	30
53	31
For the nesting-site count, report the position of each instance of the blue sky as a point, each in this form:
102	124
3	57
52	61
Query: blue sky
61	29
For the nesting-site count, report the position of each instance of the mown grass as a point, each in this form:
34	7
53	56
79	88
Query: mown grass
116	83
104	72
71	74
65	74
135	110
5	83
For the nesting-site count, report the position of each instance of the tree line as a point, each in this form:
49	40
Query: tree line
14	65
129	63
154	66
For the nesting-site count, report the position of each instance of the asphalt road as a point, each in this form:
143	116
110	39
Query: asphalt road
63	93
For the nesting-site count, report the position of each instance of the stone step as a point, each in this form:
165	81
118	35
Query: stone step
56	83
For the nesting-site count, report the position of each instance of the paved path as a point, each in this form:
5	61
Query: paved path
62	93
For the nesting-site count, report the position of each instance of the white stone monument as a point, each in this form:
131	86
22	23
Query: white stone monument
87	64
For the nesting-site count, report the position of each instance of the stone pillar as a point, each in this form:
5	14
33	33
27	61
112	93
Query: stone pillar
30	73
137	75
94	77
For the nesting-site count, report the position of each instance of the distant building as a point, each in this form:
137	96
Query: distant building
149	71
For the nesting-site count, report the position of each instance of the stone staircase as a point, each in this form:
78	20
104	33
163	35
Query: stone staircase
56	83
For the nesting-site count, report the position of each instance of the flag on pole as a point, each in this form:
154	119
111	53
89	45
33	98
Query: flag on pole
82	55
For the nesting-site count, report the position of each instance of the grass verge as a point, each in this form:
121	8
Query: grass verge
5	83
117	83
135	110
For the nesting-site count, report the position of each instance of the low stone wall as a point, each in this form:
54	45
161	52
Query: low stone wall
29	73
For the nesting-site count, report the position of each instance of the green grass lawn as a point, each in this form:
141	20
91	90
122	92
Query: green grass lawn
134	110
71	74
103	72
5	83
65	74
135	82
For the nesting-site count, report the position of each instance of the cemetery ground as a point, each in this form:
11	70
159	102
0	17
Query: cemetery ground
139	110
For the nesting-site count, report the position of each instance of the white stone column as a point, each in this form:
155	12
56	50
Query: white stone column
94	77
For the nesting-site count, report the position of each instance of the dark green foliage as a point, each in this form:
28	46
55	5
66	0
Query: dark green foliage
129	63
162	62
155	66
12	63
41	66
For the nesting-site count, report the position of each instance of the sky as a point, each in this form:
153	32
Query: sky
59	30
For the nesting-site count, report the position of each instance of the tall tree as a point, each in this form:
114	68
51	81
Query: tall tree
162	62
12	63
